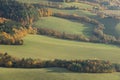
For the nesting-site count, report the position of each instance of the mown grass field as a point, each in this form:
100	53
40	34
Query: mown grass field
52	74
42	47
64	25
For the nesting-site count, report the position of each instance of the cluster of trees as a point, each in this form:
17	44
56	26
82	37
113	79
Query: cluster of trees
57	5
47	5
102	37
15	21
104	2
110	4
87	66
98	33
92	66
21	12
72	7
9	39
61	35
16	38
78	18
11	33
45	12
108	15
2	20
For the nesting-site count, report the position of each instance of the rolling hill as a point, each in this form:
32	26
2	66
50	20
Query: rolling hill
43	47
64	25
47	48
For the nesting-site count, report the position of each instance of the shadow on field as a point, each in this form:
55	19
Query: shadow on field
110	26
88	31
58	70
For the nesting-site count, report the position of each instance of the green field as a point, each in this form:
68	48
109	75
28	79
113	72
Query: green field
80	5
42	47
64	25
46	48
52	74
78	12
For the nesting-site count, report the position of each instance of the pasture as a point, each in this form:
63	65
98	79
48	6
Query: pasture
46	48
52	74
64	25
43	47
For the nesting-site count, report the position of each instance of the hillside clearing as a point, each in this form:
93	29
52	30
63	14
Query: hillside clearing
64	25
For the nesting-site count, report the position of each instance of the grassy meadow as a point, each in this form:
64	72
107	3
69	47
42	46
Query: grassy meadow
52	74
80	5
43	47
64	25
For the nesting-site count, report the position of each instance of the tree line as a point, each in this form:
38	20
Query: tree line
16	20
11	33
86	66
98	33
61	35
20	12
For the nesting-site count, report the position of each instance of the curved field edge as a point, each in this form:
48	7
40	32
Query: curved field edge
36	46
64	25
52	74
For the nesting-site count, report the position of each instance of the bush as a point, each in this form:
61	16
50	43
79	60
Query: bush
86	66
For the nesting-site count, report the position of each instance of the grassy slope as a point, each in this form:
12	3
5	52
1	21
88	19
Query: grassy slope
49	48
78	12
80	5
52	74
65	25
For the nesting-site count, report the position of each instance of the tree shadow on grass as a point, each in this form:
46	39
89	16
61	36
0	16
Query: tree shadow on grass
57	70
88	31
